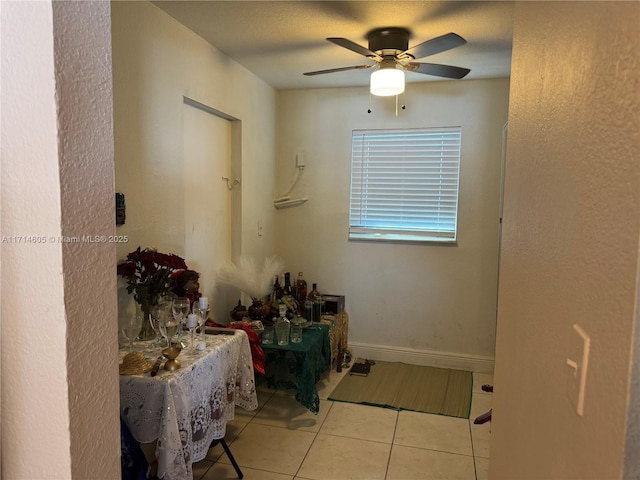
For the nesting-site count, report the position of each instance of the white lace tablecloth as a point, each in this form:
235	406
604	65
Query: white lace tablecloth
187	409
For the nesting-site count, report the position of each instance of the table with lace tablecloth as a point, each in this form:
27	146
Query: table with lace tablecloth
187	409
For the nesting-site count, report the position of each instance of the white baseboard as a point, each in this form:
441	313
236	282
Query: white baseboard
422	357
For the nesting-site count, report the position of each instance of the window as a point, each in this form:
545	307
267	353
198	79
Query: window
404	184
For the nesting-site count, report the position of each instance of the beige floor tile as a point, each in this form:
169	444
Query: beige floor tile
408	463
480	379
482	468
329	381
261	386
435	432
480	437
201	468
480	434
273	449
234	428
285	411
221	471
480	403
340	458
360	421
246	415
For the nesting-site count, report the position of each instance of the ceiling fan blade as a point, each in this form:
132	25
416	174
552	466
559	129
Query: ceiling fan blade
446	71
435	45
354	47
341	69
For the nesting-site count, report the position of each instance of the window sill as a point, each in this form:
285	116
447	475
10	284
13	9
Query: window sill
397	238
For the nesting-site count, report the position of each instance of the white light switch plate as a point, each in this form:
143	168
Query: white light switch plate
577	363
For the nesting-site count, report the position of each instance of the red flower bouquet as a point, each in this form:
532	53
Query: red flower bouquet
148	274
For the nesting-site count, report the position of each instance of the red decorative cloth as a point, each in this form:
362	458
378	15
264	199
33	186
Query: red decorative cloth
257	354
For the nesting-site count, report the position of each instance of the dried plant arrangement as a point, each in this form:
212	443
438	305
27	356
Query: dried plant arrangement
246	277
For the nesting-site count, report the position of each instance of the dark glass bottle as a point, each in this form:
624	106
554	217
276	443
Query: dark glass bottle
300	289
276	292
315	297
288	299
287	285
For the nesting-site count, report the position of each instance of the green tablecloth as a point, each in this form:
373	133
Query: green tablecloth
300	365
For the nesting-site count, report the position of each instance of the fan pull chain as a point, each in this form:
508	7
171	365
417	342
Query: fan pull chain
403	107
369	110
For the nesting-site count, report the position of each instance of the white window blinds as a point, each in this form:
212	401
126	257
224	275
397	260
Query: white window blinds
404	184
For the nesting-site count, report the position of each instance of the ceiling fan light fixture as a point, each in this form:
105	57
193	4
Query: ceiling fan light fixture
387	82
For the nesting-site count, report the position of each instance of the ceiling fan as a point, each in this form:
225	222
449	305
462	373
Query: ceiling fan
389	48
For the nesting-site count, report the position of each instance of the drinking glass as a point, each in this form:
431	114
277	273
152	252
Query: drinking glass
267	335
180	309
130	327
158	312
296	333
170	327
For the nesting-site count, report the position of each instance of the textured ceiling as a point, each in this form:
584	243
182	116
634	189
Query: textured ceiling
280	40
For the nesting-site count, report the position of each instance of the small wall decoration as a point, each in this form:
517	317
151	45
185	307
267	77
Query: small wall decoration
120	209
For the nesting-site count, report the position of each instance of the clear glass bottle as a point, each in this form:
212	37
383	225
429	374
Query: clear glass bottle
316	298
283	326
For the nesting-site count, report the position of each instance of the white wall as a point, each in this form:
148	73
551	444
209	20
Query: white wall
414	299
59	358
446	294
157	62
570	242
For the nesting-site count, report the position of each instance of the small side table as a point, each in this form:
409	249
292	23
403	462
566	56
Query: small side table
299	365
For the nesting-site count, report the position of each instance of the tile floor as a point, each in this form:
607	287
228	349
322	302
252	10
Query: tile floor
281	440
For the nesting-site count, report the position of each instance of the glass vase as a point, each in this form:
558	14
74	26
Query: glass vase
146	332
